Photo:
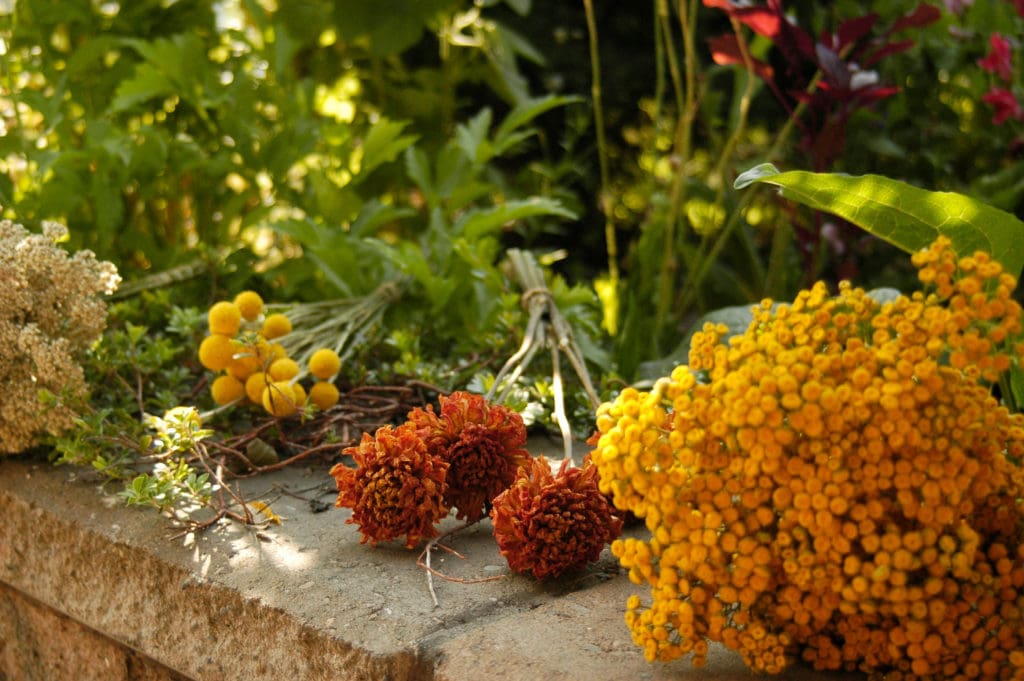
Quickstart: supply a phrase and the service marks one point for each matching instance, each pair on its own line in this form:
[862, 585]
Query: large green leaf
[904, 215]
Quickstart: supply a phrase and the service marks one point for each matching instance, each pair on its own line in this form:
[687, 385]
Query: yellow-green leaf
[902, 214]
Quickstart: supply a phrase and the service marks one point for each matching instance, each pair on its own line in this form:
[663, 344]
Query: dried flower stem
[342, 325]
[546, 326]
[423, 561]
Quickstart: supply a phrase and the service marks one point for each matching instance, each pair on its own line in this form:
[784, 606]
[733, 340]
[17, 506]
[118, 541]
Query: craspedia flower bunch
[549, 523]
[835, 484]
[482, 442]
[255, 367]
[52, 308]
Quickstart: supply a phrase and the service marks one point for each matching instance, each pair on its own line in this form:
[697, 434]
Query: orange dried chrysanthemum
[397, 488]
[547, 524]
[482, 443]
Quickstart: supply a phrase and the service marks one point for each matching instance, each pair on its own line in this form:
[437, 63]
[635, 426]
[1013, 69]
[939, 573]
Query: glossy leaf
[905, 216]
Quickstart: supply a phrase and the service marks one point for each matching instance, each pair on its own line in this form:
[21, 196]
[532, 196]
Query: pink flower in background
[1005, 104]
[998, 60]
[957, 6]
[1018, 5]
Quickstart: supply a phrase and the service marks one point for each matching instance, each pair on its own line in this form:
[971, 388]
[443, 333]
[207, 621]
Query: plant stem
[602, 147]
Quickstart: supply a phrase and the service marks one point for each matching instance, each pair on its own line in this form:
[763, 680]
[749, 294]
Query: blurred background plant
[316, 151]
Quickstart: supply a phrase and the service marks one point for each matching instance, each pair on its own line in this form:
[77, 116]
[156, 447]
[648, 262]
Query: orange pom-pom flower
[397, 487]
[549, 523]
[482, 442]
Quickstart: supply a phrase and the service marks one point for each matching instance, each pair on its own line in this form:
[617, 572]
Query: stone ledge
[302, 600]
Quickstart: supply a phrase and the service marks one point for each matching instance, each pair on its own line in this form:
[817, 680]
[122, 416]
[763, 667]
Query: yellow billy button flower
[224, 317]
[324, 363]
[227, 389]
[279, 399]
[245, 363]
[276, 325]
[249, 304]
[284, 369]
[216, 351]
[324, 395]
[254, 386]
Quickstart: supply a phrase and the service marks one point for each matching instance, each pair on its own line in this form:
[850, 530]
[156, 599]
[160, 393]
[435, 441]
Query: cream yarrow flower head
[52, 309]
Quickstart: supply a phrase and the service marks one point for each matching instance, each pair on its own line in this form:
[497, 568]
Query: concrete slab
[306, 600]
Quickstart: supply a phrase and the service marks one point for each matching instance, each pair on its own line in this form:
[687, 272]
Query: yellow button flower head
[254, 386]
[227, 389]
[279, 399]
[245, 363]
[276, 325]
[324, 395]
[299, 394]
[216, 351]
[250, 304]
[284, 369]
[225, 318]
[324, 363]
[837, 483]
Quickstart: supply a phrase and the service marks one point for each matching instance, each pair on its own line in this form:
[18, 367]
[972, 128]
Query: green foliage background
[317, 149]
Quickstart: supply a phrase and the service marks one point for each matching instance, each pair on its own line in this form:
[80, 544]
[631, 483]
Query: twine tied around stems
[546, 326]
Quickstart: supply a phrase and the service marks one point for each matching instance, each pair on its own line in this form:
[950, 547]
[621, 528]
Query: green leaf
[472, 137]
[525, 113]
[476, 224]
[383, 144]
[905, 216]
[417, 167]
[147, 83]
[1017, 387]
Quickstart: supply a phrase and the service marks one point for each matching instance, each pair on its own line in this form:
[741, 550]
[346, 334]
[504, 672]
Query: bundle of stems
[343, 324]
[546, 327]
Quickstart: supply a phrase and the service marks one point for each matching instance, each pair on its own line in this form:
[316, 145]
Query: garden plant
[778, 245]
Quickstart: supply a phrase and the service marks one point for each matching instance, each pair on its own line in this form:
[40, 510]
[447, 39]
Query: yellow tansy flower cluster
[837, 484]
[254, 367]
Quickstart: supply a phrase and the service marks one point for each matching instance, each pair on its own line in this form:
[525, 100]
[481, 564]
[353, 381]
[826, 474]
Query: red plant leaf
[725, 50]
[852, 30]
[760, 20]
[923, 15]
[832, 66]
[873, 94]
[887, 50]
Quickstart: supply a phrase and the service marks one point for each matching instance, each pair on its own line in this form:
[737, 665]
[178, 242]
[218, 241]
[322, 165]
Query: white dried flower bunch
[51, 310]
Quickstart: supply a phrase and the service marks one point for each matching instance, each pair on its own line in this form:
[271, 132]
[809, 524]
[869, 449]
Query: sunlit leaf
[905, 216]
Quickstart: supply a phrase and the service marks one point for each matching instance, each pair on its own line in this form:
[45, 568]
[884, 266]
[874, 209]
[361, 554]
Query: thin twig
[423, 561]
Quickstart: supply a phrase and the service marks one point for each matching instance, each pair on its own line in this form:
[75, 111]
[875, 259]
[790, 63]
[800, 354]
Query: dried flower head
[482, 442]
[547, 524]
[51, 310]
[396, 488]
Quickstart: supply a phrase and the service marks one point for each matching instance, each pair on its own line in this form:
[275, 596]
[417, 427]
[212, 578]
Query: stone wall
[90, 589]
